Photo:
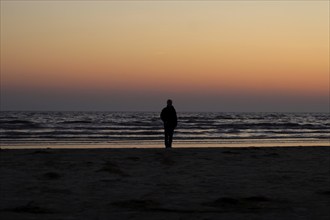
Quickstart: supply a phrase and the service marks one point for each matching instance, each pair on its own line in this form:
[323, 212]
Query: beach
[178, 183]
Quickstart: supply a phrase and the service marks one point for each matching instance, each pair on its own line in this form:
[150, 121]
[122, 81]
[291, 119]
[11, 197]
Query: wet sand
[186, 183]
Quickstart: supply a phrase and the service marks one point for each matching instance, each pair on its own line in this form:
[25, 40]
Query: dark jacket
[169, 117]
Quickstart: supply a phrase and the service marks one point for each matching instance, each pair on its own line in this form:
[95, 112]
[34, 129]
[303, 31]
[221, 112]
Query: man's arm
[162, 115]
[175, 118]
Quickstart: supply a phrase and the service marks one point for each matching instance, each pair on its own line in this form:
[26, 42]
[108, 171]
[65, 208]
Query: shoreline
[143, 145]
[207, 143]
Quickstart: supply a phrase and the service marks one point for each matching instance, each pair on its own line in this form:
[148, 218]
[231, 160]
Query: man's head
[169, 102]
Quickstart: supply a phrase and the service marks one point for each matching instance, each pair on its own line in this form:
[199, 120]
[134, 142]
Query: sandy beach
[186, 183]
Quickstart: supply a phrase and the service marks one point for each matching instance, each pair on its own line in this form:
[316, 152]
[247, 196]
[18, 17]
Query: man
[170, 120]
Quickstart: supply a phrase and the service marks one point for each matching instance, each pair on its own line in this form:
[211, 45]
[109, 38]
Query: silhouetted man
[170, 120]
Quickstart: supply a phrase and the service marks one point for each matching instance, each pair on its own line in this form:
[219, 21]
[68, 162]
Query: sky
[241, 56]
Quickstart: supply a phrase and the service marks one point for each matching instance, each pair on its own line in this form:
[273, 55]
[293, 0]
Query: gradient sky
[133, 55]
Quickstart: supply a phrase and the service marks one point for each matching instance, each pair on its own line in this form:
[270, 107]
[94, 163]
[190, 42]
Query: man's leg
[166, 131]
[170, 137]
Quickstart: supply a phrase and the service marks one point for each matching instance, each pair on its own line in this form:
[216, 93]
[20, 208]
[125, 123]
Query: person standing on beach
[170, 121]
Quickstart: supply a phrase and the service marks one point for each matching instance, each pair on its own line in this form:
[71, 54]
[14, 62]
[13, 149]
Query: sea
[32, 129]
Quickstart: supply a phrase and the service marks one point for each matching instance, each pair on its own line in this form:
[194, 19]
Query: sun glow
[181, 47]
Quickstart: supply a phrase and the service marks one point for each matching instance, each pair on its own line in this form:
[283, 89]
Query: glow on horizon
[178, 48]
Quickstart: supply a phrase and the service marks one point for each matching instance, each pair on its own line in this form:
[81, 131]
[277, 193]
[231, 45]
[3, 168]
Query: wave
[120, 126]
[75, 122]
[22, 124]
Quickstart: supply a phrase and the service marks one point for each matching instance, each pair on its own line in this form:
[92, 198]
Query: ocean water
[138, 129]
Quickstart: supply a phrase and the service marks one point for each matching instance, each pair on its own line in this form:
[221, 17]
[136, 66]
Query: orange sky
[215, 47]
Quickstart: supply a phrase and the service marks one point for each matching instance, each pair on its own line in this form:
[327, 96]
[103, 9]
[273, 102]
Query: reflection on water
[145, 129]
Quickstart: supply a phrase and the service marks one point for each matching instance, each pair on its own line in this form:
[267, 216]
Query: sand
[187, 183]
